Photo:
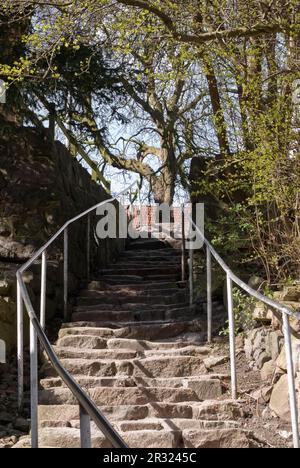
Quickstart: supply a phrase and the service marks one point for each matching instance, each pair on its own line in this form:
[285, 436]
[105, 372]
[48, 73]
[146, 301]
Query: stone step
[106, 396]
[123, 353]
[172, 382]
[72, 352]
[161, 390]
[94, 342]
[136, 307]
[211, 410]
[151, 424]
[93, 354]
[161, 272]
[99, 297]
[147, 244]
[148, 264]
[115, 278]
[177, 366]
[141, 330]
[131, 295]
[144, 253]
[69, 437]
[132, 316]
[136, 287]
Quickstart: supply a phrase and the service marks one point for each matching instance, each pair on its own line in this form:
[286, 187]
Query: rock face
[263, 345]
[279, 402]
[41, 186]
[265, 350]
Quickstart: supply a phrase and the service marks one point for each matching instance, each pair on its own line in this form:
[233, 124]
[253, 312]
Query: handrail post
[20, 345]
[183, 244]
[88, 247]
[209, 295]
[66, 273]
[291, 379]
[34, 386]
[191, 275]
[85, 429]
[43, 290]
[231, 338]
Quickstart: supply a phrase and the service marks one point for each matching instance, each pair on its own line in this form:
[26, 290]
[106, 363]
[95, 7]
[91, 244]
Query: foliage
[211, 79]
[243, 308]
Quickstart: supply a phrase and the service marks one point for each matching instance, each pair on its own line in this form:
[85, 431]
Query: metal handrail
[88, 409]
[285, 311]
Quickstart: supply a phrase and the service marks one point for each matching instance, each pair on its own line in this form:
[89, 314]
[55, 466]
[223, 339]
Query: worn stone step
[106, 396]
[141, 264]
[135, 287]
[225, 410]
[151, 424]
[146, 253]
[98, 297]
[135, 307]
[219, 438]
[131, 295]
[75, 353]
[211, 380]
[133, 316]
[141, 330]
[138, 262]
[116, 278]
[69, 437]
[147, 244]
[94, 342]
[143, 390]
[163, 272]
[175, 366]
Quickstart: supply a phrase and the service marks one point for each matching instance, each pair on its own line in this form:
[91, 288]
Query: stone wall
[41, 187]
[265, 351]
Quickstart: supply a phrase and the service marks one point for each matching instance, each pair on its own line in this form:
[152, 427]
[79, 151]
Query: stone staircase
[138, 348]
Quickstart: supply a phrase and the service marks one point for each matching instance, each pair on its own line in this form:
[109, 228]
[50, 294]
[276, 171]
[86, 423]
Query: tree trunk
[163, 186]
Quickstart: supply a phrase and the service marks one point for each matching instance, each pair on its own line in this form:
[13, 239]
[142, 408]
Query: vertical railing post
[183, 262]
[291, 379]
[88, 246]
[85, 429]
[20, 345]
[191, 275]
[43, 290]
[66, 273]
[231, 338]
[209, 295]
[34, 386]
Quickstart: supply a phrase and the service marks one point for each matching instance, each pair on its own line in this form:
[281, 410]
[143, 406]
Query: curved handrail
[285, 311]
[81, 396]
[261, 297]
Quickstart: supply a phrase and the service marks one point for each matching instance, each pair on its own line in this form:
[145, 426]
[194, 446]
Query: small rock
[262, 359]
[263, 395]
[262, 313]
[279, 402]
[268, 414]
[285, 434]
[211, 362]
[22, 424]
[267, 370]
[281, 361]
